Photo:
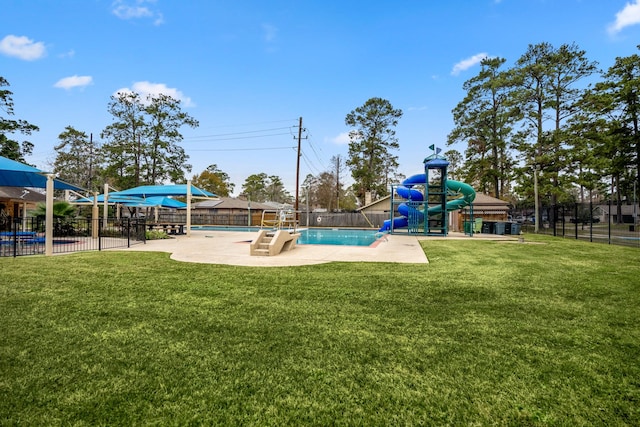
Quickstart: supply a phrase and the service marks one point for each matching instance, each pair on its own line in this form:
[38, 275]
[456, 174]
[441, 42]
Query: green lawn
[486, 334]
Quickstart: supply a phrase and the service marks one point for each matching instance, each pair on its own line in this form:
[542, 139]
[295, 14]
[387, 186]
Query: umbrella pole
[95, 216]
[188, 208]
[48, 230]
[105, 209]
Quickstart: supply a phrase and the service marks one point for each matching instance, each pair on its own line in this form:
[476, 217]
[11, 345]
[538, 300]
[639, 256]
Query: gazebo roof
[21, 194]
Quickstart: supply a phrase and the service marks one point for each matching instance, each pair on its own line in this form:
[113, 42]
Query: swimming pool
[319, 236]
[337, 236]
[224, 228]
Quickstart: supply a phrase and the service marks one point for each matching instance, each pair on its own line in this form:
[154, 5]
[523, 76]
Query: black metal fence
[582, 221]
[576, 221]
[26, 236]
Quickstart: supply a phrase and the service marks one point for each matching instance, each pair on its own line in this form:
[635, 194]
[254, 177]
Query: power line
[244, 149]
[316, 153]
[241, 133]
[310, 164]
[252, 124]
[238, 137]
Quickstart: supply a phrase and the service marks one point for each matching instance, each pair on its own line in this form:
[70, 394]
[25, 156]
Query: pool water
[224, 228]
[318, 236]
[337, 236]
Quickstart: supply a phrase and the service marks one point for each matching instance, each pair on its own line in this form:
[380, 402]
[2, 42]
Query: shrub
[156, 235]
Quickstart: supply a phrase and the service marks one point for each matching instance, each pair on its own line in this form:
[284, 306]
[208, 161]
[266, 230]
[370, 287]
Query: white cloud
[148, 89]
[129, 12]
[159, 19]
[629, 15]
[69, 54]
[270, 32]
[22, 47]
[465, 64]
[341, 139]
[74, 81]
[135, 9]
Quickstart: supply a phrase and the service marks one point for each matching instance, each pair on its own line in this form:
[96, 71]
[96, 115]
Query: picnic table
[167, 227]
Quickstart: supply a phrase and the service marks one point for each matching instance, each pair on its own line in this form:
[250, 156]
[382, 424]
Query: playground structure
[425, 199]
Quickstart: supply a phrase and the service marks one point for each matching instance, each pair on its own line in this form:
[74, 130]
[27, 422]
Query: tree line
[553, 115]
[142, 146]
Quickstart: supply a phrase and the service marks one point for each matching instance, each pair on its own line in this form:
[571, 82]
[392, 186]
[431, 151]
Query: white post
[188, 208]
[105, 209]
[307, 197]
[24, 215]
[95, 216]
[48, 227]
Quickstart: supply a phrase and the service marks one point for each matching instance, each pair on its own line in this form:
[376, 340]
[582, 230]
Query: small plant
[156, 235]
[63, 214]
[61, 209]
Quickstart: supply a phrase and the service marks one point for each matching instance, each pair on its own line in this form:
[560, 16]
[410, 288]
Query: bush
[156, 235]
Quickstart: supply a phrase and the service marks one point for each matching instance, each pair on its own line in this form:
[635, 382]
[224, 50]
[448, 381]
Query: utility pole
[300, 129]
[338, 170]
[90, 180]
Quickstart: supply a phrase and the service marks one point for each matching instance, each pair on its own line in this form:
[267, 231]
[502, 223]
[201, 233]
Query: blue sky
[247, 70]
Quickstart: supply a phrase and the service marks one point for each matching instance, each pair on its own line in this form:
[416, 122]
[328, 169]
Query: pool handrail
[282, 219]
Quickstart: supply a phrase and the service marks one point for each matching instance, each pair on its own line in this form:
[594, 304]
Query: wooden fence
[316, 219]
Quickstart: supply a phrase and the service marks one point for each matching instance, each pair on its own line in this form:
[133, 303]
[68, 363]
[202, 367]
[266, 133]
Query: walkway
[232, 248]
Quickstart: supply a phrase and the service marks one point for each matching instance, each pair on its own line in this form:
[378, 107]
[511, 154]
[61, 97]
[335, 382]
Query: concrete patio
[232, 248]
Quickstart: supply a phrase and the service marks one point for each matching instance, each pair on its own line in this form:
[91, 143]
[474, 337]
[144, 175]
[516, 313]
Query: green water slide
[465, 191]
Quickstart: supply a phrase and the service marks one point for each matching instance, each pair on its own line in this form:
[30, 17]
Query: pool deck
[232, 248]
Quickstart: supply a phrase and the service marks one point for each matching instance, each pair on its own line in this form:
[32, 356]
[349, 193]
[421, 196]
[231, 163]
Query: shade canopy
[162, 190]
[186, 190]
[16, 174]
[135, 201]
[165, 202]
[112, 199]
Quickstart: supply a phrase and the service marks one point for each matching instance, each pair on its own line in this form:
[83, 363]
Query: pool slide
[405, 191]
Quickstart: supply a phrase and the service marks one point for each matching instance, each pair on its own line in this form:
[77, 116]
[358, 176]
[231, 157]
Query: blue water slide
[406, 191]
